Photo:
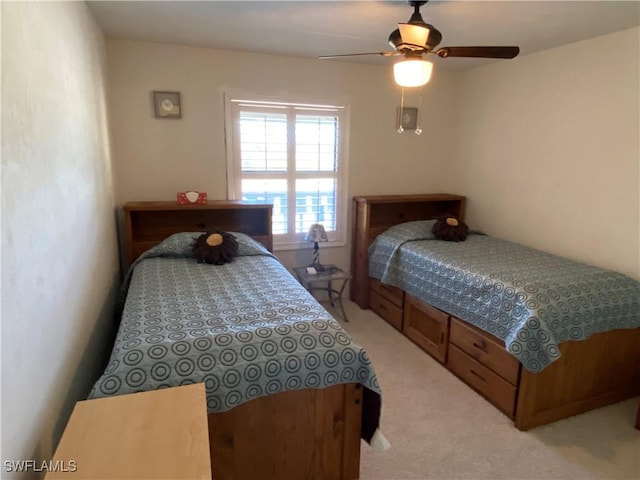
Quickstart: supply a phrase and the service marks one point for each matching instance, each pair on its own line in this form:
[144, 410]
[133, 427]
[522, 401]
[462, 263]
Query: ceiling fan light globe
[412, 73]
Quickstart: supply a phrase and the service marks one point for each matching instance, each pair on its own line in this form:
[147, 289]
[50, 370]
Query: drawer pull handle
[481, 346]
[477, 374]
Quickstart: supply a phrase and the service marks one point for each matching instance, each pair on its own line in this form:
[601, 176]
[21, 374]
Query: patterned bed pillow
[180, 245]
[415, 230]
[175, 245]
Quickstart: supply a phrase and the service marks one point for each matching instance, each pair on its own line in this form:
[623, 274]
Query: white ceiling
[310, 28]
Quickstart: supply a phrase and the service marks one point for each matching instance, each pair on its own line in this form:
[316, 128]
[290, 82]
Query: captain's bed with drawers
[539, 336]
[289, 393]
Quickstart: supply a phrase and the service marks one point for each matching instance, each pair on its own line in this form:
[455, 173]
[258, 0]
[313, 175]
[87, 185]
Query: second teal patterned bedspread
[530, 299]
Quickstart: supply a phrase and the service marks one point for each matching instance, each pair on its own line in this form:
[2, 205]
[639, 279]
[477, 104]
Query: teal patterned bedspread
[246, 329]
[530, 299]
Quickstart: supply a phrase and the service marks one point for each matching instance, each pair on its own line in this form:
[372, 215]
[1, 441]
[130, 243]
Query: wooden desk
[158, 434]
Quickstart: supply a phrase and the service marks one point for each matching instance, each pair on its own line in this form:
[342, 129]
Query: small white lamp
[316, 234]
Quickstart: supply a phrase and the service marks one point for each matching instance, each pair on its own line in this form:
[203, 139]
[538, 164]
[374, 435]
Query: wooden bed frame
[311, 433]
[598, 371]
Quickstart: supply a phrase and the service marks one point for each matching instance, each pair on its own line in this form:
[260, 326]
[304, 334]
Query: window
[290, 155]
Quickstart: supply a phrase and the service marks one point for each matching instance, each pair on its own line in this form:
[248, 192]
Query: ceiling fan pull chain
[418, 129]
[400, 112]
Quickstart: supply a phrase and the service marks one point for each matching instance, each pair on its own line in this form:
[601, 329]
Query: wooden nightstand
[158, 434]
[324, 281]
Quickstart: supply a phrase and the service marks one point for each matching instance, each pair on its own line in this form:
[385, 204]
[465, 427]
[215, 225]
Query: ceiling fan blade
[382, 54]
[481, 52]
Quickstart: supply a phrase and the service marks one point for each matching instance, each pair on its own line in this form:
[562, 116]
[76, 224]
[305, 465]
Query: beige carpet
[441, 429]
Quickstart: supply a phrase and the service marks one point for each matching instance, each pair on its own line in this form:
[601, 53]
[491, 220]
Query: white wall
[155, 158]
[549, 150]
[59, 257]
[544, 145]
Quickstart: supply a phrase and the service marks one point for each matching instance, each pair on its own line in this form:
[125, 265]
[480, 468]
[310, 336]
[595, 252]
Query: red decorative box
[189, 198]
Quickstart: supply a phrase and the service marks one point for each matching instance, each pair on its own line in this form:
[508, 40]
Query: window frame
[233, 103]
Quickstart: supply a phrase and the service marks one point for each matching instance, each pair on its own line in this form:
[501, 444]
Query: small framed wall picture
[167, 104]
[407, 118]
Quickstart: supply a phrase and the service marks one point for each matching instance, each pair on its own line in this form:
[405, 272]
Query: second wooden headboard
[148, 223]
[376, 213]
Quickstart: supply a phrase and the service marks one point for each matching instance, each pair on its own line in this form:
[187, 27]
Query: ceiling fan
[416, 38]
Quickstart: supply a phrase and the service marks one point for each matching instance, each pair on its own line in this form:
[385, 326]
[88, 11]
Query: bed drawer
[427, 326]
[387, 310]
[490, 385]
[484, 348]
[394, 294]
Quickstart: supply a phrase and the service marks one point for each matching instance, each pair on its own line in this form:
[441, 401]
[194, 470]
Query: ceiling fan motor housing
[434, 39]
[417, 4]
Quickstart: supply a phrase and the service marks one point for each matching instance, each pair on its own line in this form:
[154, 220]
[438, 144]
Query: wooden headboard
[374, 214]
[148, 223]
